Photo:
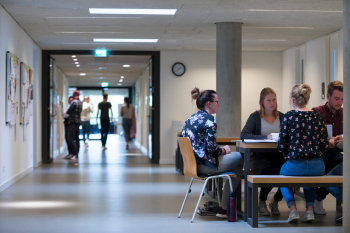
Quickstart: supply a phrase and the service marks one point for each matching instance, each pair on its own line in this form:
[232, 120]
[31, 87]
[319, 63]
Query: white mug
[274, 136]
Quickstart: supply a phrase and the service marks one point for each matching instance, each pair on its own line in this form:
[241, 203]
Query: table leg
[246, 173]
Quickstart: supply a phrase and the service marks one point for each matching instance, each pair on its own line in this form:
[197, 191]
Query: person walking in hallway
[66, 124]
[85, 119]
[74, 112]
[104, 106]
[127, 111]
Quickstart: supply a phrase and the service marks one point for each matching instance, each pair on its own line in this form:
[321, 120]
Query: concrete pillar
[228, 78]
[346, 117]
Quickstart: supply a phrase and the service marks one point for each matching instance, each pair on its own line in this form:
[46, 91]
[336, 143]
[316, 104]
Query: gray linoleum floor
[113, 192]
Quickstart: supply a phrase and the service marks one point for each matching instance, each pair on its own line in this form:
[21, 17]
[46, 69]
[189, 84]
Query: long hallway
[117, 191]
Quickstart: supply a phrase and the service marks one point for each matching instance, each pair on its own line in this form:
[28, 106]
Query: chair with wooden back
[190, 169]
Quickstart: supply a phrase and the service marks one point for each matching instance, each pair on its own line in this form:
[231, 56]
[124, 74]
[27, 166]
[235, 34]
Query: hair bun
[305, 90]
[195, 93]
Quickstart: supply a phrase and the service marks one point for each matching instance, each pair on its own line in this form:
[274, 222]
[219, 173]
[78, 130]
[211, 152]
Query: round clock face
[178, 69]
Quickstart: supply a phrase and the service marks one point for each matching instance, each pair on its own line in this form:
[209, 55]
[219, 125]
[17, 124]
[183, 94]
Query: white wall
[315, 70]
[142, 123]
[259, 70]
[17, 155]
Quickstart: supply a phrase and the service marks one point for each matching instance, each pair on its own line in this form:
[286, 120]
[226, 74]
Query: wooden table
[246, 149]
[265, 147]
[227, 141]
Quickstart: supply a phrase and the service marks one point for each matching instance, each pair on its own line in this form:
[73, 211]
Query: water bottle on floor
[231, 207]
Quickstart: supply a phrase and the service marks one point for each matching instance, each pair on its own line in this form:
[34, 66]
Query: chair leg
[200, 197]
[183, 204]
[229, 180]
[217, 190]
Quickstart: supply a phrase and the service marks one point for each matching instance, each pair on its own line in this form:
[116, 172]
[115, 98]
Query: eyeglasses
[215, 101]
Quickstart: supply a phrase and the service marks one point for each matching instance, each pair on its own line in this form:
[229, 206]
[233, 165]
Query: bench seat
[256, 181]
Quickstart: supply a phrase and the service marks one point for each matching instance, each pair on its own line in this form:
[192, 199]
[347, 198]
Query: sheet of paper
[258, 141]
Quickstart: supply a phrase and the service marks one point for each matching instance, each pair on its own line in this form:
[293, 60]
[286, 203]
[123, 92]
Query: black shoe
[339, 219]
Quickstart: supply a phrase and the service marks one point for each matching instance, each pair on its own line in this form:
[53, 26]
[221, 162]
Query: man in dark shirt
[332, 112]
[74, 112]
[104, 106]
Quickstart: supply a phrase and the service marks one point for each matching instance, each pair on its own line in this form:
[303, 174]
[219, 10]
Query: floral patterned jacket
[303, 135]
[201, 129]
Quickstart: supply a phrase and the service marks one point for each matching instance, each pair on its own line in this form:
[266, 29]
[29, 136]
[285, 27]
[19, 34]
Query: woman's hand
[227, 149]
[269, 136]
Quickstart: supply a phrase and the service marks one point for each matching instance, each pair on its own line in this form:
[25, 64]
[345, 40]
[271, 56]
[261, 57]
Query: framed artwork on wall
[26, 93]
[12, 88]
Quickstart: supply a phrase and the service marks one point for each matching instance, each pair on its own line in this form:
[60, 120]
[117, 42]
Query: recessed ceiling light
[119, 84]
[126, 65]
[102, 68]
[78, 65]
[75, 59]
[102, 77]
[76, 62]
[82, 74]
[296, 10]
[121, 76]
[121, 80]
[73, 56]
[122, 11]
[126, 40]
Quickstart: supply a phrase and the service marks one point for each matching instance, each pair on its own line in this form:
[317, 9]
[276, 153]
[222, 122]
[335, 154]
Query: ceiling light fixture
[78, 65]
[82, 74]
[122, 11]
[126, 40]
[283, 27]
[74, 56]
[126, 65]
[119, 84]
[76, 62]
[121, 80]
[75, 59]
[296, 10]
[102, 68]
[121, 76]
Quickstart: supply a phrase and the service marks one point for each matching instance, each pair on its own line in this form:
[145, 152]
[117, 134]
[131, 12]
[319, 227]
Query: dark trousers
[104, 131]
[267, 164]
[66, 133]
[86, 129]
[330, 161]
[73, 138]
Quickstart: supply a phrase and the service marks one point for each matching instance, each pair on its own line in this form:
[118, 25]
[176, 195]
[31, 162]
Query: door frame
[45, 104]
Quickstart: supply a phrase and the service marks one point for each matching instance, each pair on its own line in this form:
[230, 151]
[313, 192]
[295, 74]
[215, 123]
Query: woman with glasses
[211, 159]
[260, 125]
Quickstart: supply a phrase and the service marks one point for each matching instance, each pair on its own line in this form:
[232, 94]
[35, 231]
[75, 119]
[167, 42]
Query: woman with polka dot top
[303, 140]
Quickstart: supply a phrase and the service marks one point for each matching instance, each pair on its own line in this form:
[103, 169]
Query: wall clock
[178, 69]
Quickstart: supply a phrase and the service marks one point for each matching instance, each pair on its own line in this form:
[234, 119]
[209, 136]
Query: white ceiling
[67, 24]
[94, 76]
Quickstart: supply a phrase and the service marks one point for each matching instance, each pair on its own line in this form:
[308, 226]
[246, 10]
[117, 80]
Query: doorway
[154, 115]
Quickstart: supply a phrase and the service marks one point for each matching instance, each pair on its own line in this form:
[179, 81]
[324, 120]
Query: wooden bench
[256, 181]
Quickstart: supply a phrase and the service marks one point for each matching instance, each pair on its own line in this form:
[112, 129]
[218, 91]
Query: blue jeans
[86, 129]
[337, 192]
[301, 167]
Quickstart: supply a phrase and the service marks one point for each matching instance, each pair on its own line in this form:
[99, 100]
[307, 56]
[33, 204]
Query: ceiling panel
[67, 24]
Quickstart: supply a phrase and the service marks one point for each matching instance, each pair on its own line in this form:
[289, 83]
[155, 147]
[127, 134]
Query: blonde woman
[260, 125]
[303, 140]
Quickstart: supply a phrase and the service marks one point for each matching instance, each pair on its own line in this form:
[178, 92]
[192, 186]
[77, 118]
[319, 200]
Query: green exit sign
[100, 53]
[104, 84]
